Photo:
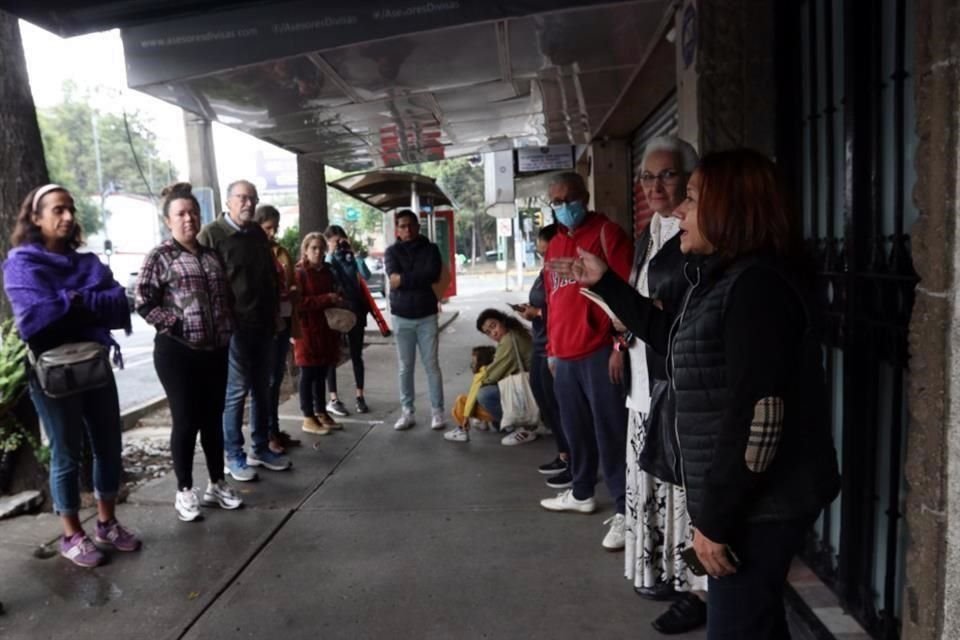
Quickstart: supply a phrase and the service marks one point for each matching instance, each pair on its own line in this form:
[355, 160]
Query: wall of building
[609, 181]
[932, 584]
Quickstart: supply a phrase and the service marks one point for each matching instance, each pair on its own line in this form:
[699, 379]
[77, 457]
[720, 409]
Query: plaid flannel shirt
[186, 296]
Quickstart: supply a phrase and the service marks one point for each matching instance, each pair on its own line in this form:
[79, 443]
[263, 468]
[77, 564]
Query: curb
[453, 316]
[130, 417]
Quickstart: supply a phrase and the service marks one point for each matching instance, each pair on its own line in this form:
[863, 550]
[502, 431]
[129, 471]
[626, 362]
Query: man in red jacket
[588, 371]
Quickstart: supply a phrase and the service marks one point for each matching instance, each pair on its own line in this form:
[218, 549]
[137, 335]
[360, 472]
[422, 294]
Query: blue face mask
[570, 214]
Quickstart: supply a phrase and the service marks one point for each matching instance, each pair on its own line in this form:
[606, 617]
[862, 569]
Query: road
[137, 382]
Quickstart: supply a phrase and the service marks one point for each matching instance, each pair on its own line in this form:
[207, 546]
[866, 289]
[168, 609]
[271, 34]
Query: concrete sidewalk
[375, 534]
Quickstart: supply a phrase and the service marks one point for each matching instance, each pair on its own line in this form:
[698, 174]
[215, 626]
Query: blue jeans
[593, 417]
[64, 420]
[425, 334]
[251, 362]
[281, 346]
[488, 397]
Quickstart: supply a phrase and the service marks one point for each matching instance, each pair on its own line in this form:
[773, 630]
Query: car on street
[377, 280]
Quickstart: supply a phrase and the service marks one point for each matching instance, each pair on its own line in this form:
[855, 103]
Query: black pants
[541, 383]
[195, 382]
[311, 389]
[748, 605]
[355, 341]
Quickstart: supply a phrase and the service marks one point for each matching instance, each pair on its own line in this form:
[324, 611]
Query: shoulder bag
[516, 398]
[72, 368]
[660, 454]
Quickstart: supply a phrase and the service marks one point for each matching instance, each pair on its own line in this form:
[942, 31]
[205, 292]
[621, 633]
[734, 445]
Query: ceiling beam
[334, 77]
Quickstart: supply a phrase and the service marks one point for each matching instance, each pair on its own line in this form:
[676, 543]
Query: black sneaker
[362, 405]
[688, 612]
[562, 480]
[553, 468]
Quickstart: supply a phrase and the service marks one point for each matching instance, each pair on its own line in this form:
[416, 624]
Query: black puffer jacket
[418, 263]
[752, 422]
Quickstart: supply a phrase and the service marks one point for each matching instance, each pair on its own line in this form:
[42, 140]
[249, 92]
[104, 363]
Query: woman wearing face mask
[182, 291]
[318, 346]
[60, 296]
[745, 364]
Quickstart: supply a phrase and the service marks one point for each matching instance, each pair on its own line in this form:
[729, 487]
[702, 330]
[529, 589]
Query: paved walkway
[376, 534]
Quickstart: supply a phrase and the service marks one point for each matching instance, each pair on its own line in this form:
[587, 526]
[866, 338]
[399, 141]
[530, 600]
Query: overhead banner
[206, 43]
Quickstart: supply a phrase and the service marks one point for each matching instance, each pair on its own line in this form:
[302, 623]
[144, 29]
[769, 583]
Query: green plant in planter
[13, 384]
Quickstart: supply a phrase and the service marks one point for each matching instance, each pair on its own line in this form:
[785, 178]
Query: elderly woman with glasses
[657, 525]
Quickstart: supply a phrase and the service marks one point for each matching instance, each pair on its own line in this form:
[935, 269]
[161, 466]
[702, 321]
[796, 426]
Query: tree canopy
[68, 140]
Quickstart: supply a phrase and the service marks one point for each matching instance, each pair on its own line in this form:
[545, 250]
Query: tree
[22, 165]
[475, 231]
[124, 141]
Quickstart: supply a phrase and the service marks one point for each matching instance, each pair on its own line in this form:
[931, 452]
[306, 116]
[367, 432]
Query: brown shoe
[327, 421]
[275, 445]
[312, 425]
[288, 440]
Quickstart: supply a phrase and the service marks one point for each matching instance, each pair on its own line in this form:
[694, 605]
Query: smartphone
[696, 567]
[517, 307]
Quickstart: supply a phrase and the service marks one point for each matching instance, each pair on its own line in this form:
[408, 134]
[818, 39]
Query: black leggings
[355, 340]
[195, 382]
[311, 389]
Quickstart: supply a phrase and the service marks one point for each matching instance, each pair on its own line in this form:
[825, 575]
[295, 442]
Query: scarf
[41, 284]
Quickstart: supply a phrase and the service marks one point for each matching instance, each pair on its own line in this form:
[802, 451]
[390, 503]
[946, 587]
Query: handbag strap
[516, 352]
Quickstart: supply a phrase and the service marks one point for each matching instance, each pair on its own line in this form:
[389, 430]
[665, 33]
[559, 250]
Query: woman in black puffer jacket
[745, 367]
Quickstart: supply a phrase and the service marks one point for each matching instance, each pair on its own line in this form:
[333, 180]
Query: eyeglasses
[666, 177]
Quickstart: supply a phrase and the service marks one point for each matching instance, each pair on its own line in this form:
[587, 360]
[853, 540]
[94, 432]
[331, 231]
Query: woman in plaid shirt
[182, 291]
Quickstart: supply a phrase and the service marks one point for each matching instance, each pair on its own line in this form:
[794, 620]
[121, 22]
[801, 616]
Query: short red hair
[743, 208]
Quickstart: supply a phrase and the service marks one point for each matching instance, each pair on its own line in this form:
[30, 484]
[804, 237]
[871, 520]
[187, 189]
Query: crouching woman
[514, 350]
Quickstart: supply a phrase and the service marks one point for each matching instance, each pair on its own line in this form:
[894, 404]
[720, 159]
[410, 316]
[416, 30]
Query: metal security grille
[853, 158]
[663, 121]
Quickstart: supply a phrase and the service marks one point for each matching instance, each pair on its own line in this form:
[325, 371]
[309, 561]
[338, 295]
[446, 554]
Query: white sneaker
[614, 540]
[479, 425]
[457, 435]
[437, 421]
[566, 502]
[404, 422]
[187, 505]
[520, 436]
[221, 494]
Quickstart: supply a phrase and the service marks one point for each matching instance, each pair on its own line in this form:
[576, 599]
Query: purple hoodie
[41, 285]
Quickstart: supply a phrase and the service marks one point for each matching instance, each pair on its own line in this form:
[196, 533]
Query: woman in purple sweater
[60, 296]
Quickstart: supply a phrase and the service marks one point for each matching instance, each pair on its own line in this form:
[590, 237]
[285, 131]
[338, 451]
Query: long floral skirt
[657, 525]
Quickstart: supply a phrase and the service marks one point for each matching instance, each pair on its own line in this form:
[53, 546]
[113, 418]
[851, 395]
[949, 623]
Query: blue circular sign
[688, 41]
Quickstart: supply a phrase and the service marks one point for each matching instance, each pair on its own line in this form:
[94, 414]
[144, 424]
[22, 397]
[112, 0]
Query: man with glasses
[588, 371]
[245, 251]
[413, 265]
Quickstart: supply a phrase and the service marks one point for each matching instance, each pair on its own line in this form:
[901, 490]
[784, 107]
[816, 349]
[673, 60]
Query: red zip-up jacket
[577, 327]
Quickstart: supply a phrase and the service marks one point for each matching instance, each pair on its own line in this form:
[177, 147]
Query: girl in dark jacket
[758, 461]
[318, 346]
[347, 269]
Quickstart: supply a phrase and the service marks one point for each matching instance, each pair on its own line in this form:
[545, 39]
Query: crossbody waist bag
[72, 368]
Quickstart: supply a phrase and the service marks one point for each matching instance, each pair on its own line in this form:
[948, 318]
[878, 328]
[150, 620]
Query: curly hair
[511, 323]
[26, 232]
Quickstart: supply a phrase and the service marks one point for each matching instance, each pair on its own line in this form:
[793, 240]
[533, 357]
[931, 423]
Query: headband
[42, 191]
